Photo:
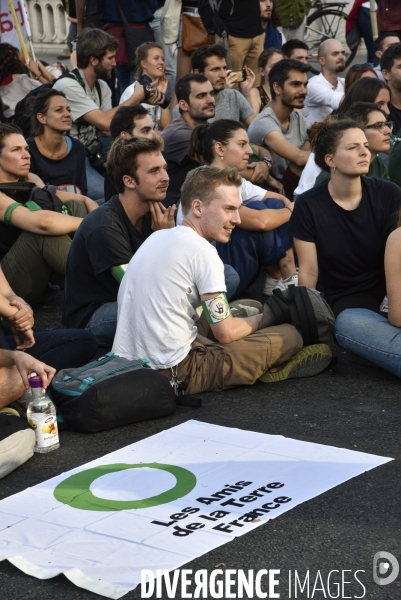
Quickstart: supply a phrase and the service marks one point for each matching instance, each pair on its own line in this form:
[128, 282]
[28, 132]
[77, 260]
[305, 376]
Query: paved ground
[348, 406]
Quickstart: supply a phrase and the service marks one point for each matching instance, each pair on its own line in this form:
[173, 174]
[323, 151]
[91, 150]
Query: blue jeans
[169, 58]
[371, 336]
[95, 183]
[365, 26]
[103, 323]
[232, 280]
[61, 348]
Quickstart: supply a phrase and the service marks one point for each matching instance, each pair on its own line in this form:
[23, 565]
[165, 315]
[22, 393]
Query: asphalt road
[348, 406]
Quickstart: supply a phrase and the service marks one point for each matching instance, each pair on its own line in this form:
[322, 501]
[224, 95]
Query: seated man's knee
[76, 208]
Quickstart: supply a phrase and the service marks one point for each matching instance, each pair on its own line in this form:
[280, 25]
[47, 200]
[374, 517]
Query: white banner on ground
[163, 501]
[8, 31]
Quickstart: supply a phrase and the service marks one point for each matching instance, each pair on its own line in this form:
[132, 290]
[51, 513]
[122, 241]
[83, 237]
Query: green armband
[216, 309]
[9, 210]
[255, 151]
[119, 272]
[32, 205]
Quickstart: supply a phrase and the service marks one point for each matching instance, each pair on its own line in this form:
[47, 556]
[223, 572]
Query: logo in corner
[385, 568]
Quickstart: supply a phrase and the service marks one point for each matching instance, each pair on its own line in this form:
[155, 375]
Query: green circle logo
[75, 491]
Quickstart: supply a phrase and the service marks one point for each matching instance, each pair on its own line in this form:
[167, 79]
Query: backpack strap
[306, 315]
[280, 307]
[75, 74]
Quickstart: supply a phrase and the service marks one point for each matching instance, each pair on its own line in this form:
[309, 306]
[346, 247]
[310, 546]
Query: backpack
[45, 198]
[304, 308]
[109, 392]
[21, 116]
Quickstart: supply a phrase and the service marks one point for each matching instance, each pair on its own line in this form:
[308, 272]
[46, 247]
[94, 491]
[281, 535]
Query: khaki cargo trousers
[216, 367]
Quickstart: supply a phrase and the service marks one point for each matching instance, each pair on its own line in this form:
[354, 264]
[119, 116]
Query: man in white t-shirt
[326, 90]
[176, 272]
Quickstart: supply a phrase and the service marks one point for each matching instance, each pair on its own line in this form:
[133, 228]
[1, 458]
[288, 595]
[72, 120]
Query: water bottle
[41, 415]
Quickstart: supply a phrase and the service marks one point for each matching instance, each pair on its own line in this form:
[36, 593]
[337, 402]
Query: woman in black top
[260, 96]
[55, 157]
[340, 227]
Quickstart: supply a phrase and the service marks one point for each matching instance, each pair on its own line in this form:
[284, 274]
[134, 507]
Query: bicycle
[327, 21]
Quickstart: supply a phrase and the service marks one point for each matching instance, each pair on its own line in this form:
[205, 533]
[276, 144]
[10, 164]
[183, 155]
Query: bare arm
[42, 222]
[232, 328]
[26, 364]
[308, 266]
[165, 118]
[102, 119]
[254, 100]
[392, 265]
[277, 142]
[264, 220]
[90, 204]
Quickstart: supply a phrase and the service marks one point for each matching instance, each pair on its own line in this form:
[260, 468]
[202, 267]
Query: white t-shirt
[248, 192]
[154, 111]
[308, 176]
[322, 98]
[160, 293]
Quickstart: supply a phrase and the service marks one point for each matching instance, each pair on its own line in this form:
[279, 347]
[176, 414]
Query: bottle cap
[35, 382]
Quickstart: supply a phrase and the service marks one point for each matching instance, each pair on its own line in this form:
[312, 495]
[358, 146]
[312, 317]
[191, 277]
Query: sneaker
[270, 284]
[384, 305]
[309, 361]
[284, 283]
[246, 308]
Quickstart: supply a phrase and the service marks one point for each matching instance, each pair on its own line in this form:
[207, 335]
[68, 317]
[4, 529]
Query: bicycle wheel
[323, 24]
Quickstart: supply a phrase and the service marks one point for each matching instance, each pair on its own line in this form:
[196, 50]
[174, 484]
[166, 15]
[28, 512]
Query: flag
[8, 31]
[164, 501]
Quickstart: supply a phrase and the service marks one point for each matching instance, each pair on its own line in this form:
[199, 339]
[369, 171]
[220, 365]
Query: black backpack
[25, 191]
[21, 115]
[304, 308]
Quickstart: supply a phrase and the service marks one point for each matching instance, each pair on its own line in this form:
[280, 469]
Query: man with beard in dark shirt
[105, 244]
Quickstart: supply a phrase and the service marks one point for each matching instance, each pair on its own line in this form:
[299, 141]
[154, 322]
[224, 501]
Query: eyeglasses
[358, 67]
[381, 125]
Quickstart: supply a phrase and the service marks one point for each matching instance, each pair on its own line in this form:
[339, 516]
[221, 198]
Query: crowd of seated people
[145, 214]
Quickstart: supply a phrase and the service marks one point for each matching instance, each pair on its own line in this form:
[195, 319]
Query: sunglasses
[381, 125]
[358, 67]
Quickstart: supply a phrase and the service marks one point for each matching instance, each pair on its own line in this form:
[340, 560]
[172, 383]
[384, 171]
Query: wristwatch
[268, 161]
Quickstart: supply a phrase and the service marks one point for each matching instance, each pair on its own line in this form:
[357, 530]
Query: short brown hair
[201, 184]
[93, 42]
[122, 158]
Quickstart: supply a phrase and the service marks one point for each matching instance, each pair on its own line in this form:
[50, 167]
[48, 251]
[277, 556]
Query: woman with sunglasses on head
[340, 227]
[366, 89]
[356, 72]
[260, 239]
